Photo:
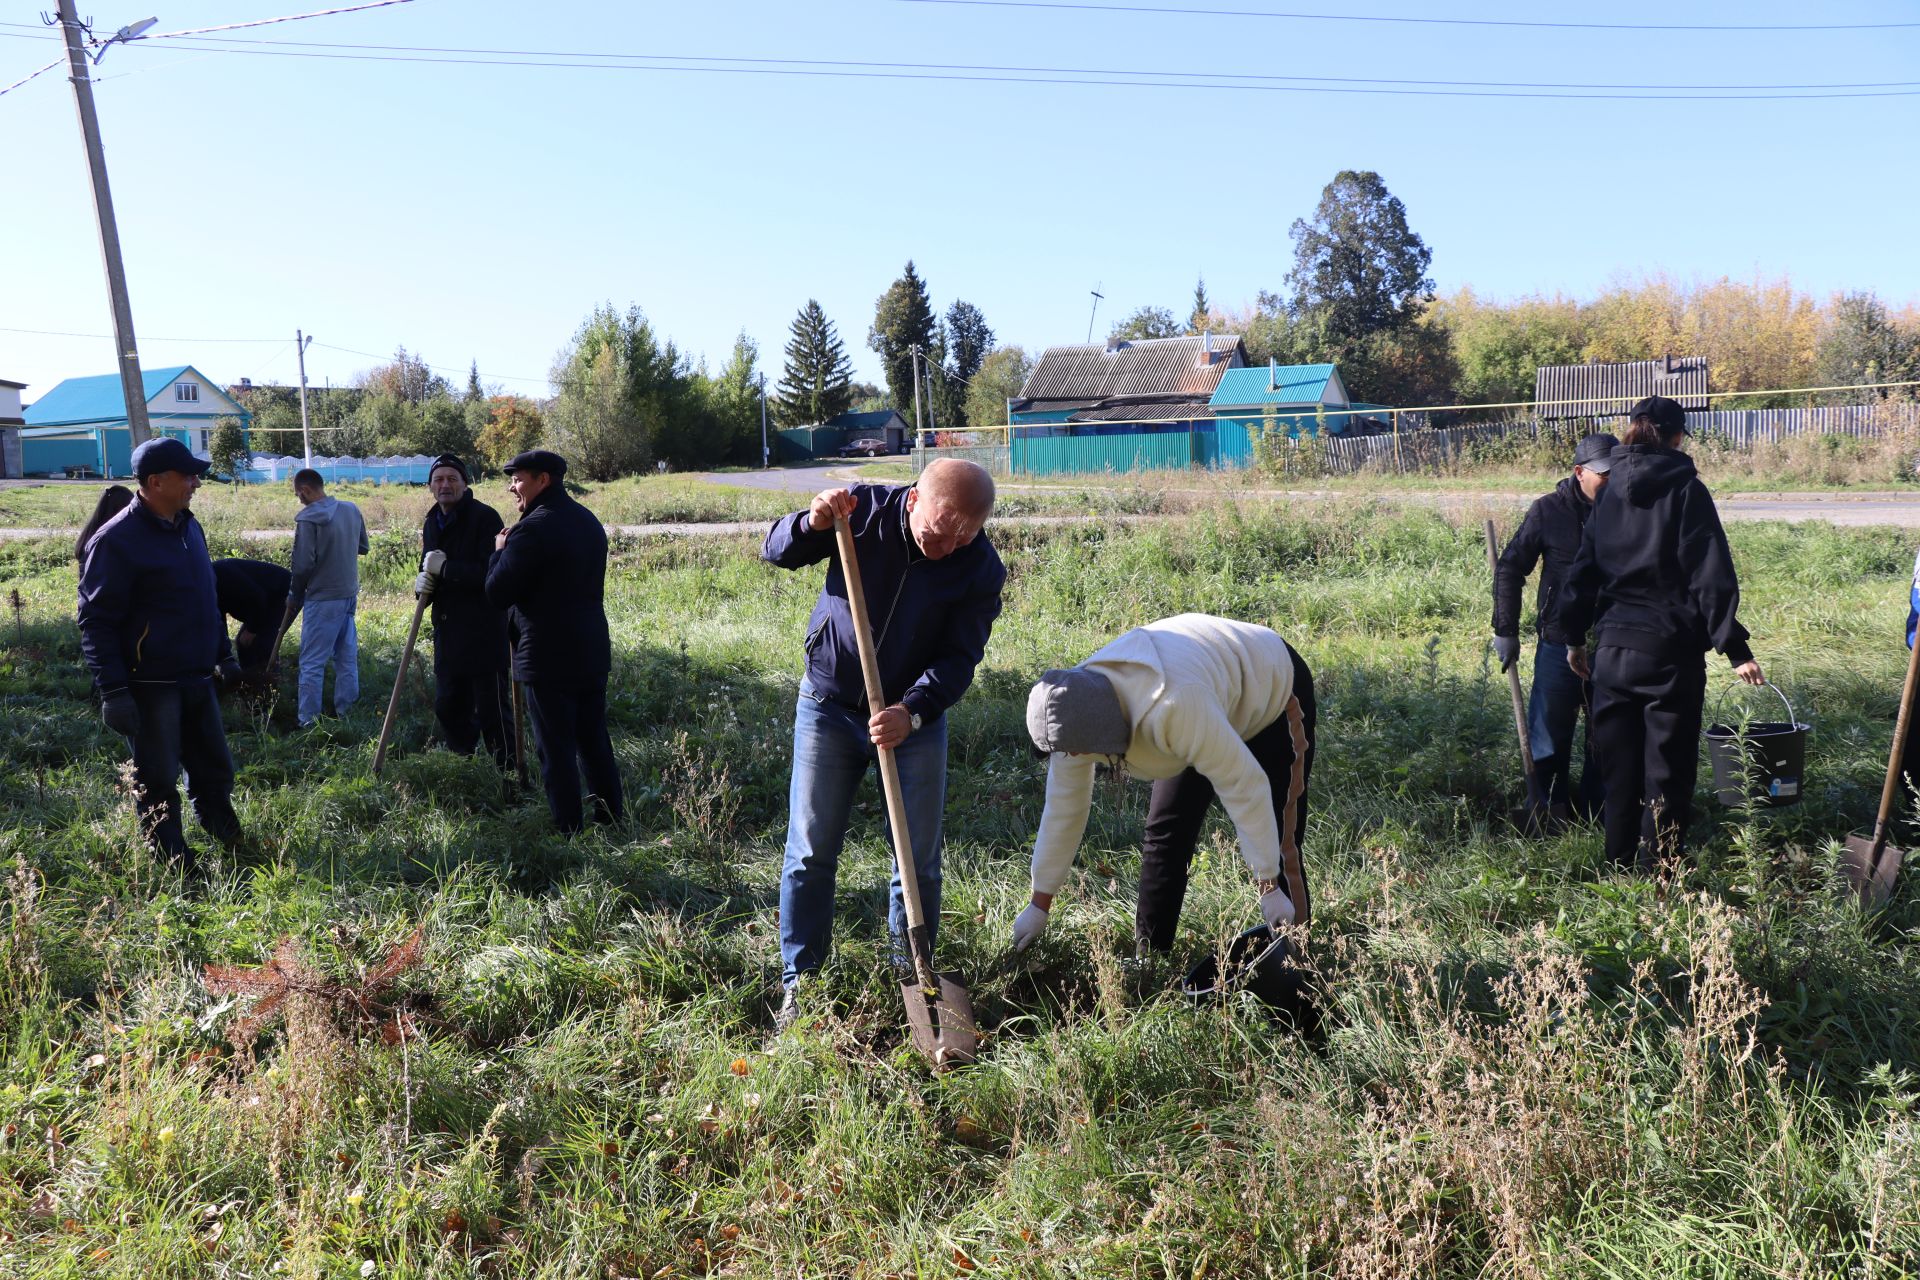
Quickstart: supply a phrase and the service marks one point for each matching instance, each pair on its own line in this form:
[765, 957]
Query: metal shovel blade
[1870, 872]
[940, 1020]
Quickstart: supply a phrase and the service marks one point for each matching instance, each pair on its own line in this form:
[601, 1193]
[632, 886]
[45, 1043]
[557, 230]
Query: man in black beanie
[470, 693]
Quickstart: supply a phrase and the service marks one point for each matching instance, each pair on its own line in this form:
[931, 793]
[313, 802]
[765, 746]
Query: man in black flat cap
[156, 643]
[1550, 538]
[470, 696]
[549, 570]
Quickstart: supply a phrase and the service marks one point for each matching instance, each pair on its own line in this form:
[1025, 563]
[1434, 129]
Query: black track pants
[1646, 732]
[570, 732]
[1179, 806]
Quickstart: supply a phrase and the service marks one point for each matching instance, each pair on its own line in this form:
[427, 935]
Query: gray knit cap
[1074, 709]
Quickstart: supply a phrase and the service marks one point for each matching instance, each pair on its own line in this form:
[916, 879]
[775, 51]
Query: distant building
[80, 426]
[827, 439]
[1298, 399]
[1562, 391]
[11, 421]
[1156, 383]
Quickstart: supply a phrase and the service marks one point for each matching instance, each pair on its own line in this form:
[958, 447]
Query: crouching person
[1203, 707]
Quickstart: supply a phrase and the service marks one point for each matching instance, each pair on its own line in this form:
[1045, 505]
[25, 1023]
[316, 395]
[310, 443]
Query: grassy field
[1531, 1066]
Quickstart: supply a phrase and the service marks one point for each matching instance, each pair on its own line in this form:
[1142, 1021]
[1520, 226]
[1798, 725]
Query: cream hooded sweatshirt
[1195, 688]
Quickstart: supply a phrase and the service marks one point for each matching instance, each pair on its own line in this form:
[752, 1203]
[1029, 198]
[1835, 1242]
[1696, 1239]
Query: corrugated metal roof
[1611, 389]
[1189, 367]
[1288, 384]
[1151, 411]
[96, 399]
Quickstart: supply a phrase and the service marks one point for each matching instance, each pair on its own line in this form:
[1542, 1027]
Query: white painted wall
[10, 402]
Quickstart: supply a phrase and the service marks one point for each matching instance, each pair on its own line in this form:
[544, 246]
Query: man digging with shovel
[932, 584]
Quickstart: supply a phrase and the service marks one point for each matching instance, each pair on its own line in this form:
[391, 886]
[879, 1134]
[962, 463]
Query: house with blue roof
[80, 426]
[1298, 399]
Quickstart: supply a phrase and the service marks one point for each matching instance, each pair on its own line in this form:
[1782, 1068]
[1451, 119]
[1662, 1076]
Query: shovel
[1536, 803]
[393, 703]
[1871, 863]
[939, 1012]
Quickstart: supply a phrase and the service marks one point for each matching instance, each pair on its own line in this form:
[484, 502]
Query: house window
[186, 391]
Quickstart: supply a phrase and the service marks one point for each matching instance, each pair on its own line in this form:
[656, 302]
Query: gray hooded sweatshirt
[329, 536]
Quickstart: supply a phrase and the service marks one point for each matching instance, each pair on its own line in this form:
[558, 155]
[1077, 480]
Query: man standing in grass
[154, 638]
[1550, 538]
[932, 582]
[469, 634]
[329, 537]
[550, 571]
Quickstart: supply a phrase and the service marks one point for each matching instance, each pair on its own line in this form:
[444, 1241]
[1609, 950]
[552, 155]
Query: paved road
[807, 480]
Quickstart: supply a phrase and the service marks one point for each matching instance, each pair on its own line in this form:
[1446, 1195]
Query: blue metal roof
[1261, 385]
[98, 399]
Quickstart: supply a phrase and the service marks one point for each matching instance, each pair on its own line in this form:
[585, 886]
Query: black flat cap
[537, 460]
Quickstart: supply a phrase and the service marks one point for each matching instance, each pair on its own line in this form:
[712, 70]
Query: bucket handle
[1720, 701]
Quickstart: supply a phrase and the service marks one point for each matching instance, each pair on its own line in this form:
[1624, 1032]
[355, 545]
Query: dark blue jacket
[149, 609]
[931, 618]
[469, 634]
[550, 577]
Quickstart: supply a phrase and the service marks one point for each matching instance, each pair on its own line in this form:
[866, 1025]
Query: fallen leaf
[962, 1261]
[740, 1066]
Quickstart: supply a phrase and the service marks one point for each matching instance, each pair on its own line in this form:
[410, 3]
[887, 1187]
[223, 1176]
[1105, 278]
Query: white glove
[1028, 927]
[423, 585]
[433, 563]
[1277, 907]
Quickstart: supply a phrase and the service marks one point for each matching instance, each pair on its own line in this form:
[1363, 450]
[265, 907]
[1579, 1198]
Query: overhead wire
[1422, 20]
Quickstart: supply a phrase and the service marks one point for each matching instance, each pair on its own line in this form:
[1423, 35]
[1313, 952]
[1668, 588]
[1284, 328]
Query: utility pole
[1097, 295]
[300, 342]
[919, 422]
[766, 458]
[932, 422]
[132, 386]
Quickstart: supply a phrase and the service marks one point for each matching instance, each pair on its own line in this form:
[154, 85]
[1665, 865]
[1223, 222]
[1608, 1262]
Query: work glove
[1507, 649]
[228, 674]
[423, 585]
[121, 713]
[1028, 926]
[434, 563]
[1276, 907]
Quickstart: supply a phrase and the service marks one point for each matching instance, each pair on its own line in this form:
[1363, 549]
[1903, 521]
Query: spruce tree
[1201, 318]
[816, 383]
[902, 320]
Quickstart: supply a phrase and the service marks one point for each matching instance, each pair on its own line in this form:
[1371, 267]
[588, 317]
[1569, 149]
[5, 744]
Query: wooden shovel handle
[393, 703]
[1895, 758]
[1513, 688]
[889, 768]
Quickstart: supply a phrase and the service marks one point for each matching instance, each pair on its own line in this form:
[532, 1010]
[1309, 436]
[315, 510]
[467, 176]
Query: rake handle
[889, 768]
[1895, 758]
[1513, 688]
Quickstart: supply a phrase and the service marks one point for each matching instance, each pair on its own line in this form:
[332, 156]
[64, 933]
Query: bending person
[254, 593]
[1655, 580]
[1202, 706]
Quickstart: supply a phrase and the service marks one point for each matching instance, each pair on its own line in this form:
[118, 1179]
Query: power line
[32, 76]
[1101, 79]
[1441, 22]
[267, 22]
[61, 333]
[439, 368]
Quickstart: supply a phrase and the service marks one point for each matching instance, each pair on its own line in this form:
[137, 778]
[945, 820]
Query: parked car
[865, 447]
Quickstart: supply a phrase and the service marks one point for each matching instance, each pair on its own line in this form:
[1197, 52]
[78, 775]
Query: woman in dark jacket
[113, 500]
[1654, 579]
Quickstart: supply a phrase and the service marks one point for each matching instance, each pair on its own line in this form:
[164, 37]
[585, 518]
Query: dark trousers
[570, 733]
[180, 727]
[1553, 713]
[473, 707]
[1646, 731]
[1179, 804]
[1910, 770]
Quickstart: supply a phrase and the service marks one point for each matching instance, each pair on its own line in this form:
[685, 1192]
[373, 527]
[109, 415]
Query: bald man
[932, 582]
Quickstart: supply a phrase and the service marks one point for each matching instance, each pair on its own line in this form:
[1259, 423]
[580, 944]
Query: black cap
[450, 460]
[537, 460]
[1665, 414]
[164, 453]
[1595, 452]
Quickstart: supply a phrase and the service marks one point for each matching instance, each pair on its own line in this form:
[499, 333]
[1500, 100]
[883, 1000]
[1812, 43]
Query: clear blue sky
[481, 211]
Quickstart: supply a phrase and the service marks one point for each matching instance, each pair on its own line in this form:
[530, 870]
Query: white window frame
[186, 392]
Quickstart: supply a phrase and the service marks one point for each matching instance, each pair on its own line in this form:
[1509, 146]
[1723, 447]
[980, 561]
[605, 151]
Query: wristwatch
[913, 719]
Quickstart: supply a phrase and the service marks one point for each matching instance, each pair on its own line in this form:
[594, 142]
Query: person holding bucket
[1654, 580]
[1203, 707]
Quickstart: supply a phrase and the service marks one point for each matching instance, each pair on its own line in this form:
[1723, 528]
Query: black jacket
[149, 611]
[469, 634]
[253, 593]
[1549, 537]
[931, 618]
[550, 576]
[1654, 572]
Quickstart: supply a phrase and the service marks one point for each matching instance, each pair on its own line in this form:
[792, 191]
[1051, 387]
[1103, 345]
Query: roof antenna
[1097, 295]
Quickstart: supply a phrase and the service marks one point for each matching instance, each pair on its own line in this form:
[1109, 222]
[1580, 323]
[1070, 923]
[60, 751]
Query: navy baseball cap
[1595, 452]
[537, 460]
[164, 453]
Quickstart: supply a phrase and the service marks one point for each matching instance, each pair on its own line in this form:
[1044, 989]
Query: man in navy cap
[549, 571]
[156, 643]
[1550, 538]
[469, 634]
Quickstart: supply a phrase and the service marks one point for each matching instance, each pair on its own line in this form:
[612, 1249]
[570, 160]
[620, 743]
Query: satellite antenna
[1097, 295]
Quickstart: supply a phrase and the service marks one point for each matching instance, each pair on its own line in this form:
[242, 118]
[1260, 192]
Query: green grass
[1532, 1067]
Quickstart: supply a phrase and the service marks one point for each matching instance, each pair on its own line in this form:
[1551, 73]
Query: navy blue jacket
[931, 618]
[254, 592]
[469, 634]
[149, 609]
[550, 577]
[1549, 537]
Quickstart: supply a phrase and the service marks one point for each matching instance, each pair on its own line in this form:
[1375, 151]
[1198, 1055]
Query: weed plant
[500, 1053]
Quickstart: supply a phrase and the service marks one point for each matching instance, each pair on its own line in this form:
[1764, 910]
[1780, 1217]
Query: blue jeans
[831, 754]
[327, 634]
[1552, 713]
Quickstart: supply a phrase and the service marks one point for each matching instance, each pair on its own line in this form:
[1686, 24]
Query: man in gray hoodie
[329, 537]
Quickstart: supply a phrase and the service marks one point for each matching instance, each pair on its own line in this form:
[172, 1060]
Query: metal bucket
[1761, 763]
